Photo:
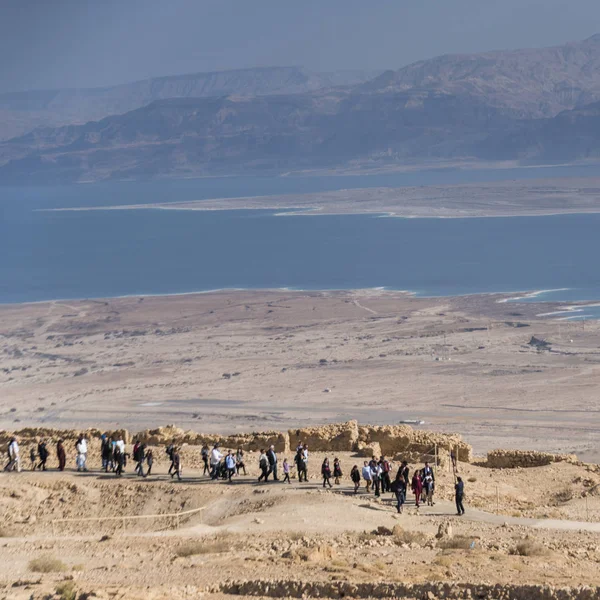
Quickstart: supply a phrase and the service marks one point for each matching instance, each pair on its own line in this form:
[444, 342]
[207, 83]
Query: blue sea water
[48, 255]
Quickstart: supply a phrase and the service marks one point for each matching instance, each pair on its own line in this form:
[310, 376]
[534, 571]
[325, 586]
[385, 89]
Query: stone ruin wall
[512, 459]
[367, 440]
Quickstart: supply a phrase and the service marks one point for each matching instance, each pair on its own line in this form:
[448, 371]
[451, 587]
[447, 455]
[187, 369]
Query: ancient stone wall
[389, 440]
[338, 436]
[510, 459]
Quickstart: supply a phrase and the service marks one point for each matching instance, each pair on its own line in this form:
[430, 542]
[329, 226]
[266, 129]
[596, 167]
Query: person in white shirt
[81, 447]
[14, 461]
[367, 476]
[215, 459]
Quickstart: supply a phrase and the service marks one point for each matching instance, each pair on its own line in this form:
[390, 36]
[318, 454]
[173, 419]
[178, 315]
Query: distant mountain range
[522, 105]
[21, 112]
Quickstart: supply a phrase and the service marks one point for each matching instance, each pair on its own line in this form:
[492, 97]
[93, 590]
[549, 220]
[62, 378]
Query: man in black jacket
[459, 489]
[272, 458]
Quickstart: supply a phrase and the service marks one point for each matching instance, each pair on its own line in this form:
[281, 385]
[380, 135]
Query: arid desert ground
[493, 371]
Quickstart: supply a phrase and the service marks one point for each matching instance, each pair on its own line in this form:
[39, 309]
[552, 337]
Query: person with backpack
[355, 477]
[230, 465]
[43, 454]
[367, 476]
[61, 455]
[272, 458]
[459, 492]
[204, 453]
[337, 471]
[326, 472]
[263, 464]
[385, 475]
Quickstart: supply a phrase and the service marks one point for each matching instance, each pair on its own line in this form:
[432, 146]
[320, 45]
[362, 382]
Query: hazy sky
[70, 43]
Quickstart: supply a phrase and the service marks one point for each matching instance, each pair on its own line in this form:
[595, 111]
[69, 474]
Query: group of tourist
[375, 473]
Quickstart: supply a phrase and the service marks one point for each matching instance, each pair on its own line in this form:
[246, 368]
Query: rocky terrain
[528, 533]
[530, 106]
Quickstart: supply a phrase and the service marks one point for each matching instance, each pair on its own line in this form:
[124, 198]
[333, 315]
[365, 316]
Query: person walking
[337, 471]
[169, 451]
[14, 460]
[121, 454]
[43, 454]
[459, 492]
[139, 455]
[215, 461]
[240, 463]
[149, 462]
[177, 466]
[230, 465]
[119, 458]
[355, 477]
[81, 448]
[398, 487]
[301, 464]
[272, 458]
[61, 455]
[32, 458]
[105, 451]
[263, 464]
[286, 471]
[417, 487]
[367, 476]
[326, 472]
[376, 472]
[386, 484]
[429, 484]
[204, 453]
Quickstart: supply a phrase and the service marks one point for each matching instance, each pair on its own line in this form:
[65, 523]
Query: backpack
[385, 466]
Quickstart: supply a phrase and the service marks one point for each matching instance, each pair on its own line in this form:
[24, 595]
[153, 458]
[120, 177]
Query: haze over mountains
[533, 105]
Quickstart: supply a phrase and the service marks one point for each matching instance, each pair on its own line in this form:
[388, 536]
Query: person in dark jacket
[62, 455]
[43, 454]
[272, 458]
[355, 476]
[326, 472]
[398, 486]
[386, 483]
[459, 492]
[106, 452]
[337, 471]
[139, 454]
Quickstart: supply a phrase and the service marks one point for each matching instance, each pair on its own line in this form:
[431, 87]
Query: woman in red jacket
[417, 487]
